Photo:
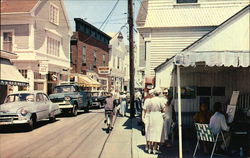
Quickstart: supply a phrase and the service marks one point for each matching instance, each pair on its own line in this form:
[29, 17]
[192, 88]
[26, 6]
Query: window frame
[13, 38]
[95, 58]
[53, 46]
[84, 60]
[51, 13]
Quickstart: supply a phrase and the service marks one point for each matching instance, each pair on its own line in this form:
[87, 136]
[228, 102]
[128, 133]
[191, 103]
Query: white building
[117, 61]
[213, 67]
[39, 32]
[167, 27]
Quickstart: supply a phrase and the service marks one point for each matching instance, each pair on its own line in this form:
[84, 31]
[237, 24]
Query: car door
[41, 106]
[47, 106]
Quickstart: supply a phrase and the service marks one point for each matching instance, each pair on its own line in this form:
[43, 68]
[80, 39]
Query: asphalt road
[68, 137]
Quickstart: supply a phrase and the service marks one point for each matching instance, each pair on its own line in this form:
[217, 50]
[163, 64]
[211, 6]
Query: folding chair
[204, 133]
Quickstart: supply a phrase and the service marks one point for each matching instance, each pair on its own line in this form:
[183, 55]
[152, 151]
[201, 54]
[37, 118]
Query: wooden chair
[204, 133]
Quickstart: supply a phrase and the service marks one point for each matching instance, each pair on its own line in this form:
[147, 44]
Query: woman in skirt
[155, 120]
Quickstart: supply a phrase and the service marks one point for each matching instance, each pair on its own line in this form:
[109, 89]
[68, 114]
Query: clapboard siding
[21, 35]
[166, 43]
[42, 23]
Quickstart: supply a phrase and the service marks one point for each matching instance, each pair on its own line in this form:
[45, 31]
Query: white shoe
[149, 151]
[146, 148]
[155, 152]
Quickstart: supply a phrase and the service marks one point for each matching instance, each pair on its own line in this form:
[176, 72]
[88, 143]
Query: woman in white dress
[123, 104]
[145, 116]
[155, 124]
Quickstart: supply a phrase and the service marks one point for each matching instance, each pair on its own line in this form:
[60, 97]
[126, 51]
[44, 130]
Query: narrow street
[68, 137]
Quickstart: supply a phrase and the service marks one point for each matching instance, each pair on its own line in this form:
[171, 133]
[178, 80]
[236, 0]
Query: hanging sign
[43, 68]
[103, 70]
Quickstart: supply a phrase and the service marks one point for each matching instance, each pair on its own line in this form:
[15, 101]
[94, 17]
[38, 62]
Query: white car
[27, 107]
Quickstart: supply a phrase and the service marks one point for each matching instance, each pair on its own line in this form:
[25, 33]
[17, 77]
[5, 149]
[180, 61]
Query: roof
[209, 34]
[142, 14]
[189, 17]
[81, 21]
[16, 6]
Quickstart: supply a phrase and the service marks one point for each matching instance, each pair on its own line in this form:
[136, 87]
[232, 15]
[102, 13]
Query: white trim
[32, 11]
[66, 17]
[14, 13]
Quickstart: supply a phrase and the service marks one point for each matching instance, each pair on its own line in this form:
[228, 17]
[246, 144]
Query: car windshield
[19, 97]
[64, 89]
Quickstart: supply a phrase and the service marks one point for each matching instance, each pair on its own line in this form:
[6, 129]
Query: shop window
[218, 91]
[7, 41]
[54, 14]
[204, 91]
[187, 1]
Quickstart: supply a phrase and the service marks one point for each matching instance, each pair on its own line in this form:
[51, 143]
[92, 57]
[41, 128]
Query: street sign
[104, 70]
[43, 68]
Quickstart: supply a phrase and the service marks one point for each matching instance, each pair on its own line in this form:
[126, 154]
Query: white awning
[11, 76]
[225, 58]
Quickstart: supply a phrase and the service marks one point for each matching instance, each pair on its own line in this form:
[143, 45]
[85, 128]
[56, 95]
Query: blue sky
[96, 11]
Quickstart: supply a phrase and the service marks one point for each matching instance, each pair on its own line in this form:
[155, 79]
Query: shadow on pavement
[23, 128]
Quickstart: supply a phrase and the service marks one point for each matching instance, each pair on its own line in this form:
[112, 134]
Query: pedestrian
[167, 118]
[109, 106]
[155, 125]
[123, 104]
[138, 102]
[145, 117]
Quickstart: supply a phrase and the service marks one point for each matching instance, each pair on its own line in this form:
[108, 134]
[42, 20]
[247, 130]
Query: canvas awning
[225, 58]
[11, 76]
[86, 81]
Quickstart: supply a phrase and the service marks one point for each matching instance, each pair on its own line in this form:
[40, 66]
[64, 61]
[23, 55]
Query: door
[41, 108]
[47, 106]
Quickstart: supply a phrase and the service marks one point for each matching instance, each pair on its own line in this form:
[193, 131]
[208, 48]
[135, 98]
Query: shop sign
[43, 68]
[103, 70]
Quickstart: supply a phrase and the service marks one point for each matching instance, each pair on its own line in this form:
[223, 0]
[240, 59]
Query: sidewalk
[126, 141]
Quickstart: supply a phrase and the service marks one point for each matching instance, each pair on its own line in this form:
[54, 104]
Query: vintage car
[27, 107]
[98, 99]
[70, 98]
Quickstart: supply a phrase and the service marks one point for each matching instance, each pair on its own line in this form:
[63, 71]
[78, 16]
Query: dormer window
[186, 1]
[54, 14]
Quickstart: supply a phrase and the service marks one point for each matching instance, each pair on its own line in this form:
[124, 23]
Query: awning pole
[179, 112]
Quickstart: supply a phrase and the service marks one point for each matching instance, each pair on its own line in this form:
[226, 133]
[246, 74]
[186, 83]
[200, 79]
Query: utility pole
[131, 58]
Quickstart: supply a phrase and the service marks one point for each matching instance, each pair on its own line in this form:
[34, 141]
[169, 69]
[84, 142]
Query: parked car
[27, 107]
[98, 99]
[70, 98]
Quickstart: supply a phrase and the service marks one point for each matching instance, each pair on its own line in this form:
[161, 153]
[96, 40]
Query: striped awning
[11, 76]
[86, 81]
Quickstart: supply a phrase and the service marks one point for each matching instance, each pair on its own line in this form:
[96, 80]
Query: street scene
[125, 79]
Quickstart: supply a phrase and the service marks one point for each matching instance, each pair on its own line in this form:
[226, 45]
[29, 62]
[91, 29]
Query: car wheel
[52, 118]
[74, 111]
[86, 109]
[31, 124]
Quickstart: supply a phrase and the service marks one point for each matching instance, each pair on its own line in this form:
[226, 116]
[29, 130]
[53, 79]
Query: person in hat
[155, 120]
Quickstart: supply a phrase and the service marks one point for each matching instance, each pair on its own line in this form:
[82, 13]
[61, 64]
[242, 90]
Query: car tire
[31, 124]
[86, 109]
[74, 111]
[52, 118]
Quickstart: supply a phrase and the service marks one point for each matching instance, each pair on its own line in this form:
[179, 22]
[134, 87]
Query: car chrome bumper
[12, 122]
[64, 105]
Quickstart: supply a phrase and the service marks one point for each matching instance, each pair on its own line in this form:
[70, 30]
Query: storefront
[86, 82]
[11, 80]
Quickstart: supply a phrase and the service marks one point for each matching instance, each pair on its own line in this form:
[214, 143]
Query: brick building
[90, 52]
